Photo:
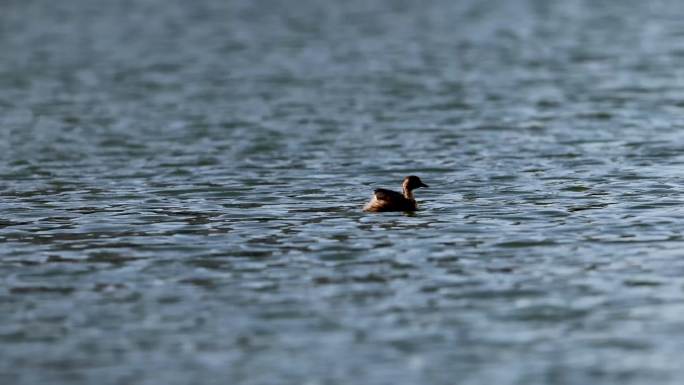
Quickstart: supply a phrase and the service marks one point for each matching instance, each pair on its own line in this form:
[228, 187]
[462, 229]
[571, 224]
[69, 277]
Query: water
[182, 184]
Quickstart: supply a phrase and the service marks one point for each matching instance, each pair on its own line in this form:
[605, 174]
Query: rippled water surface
[181, 184]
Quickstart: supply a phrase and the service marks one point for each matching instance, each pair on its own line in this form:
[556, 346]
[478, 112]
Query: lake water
[182, 183]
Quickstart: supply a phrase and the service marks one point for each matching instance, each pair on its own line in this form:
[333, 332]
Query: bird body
[388, 200]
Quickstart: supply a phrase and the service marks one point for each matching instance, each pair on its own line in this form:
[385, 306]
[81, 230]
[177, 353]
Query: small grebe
[388, 200]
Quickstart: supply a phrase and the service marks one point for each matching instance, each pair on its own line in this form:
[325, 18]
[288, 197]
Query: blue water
[182, 183]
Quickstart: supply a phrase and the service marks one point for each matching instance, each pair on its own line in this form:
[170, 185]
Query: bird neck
[408, 194]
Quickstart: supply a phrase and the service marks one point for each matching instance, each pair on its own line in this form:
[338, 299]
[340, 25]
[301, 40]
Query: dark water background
[181, 183]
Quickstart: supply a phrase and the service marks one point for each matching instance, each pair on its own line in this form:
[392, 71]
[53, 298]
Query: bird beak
[423, 185]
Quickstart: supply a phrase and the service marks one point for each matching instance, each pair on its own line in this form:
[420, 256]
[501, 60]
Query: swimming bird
[388, 200]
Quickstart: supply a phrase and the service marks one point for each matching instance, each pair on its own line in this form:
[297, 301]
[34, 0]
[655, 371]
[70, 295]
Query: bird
[388, 200]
